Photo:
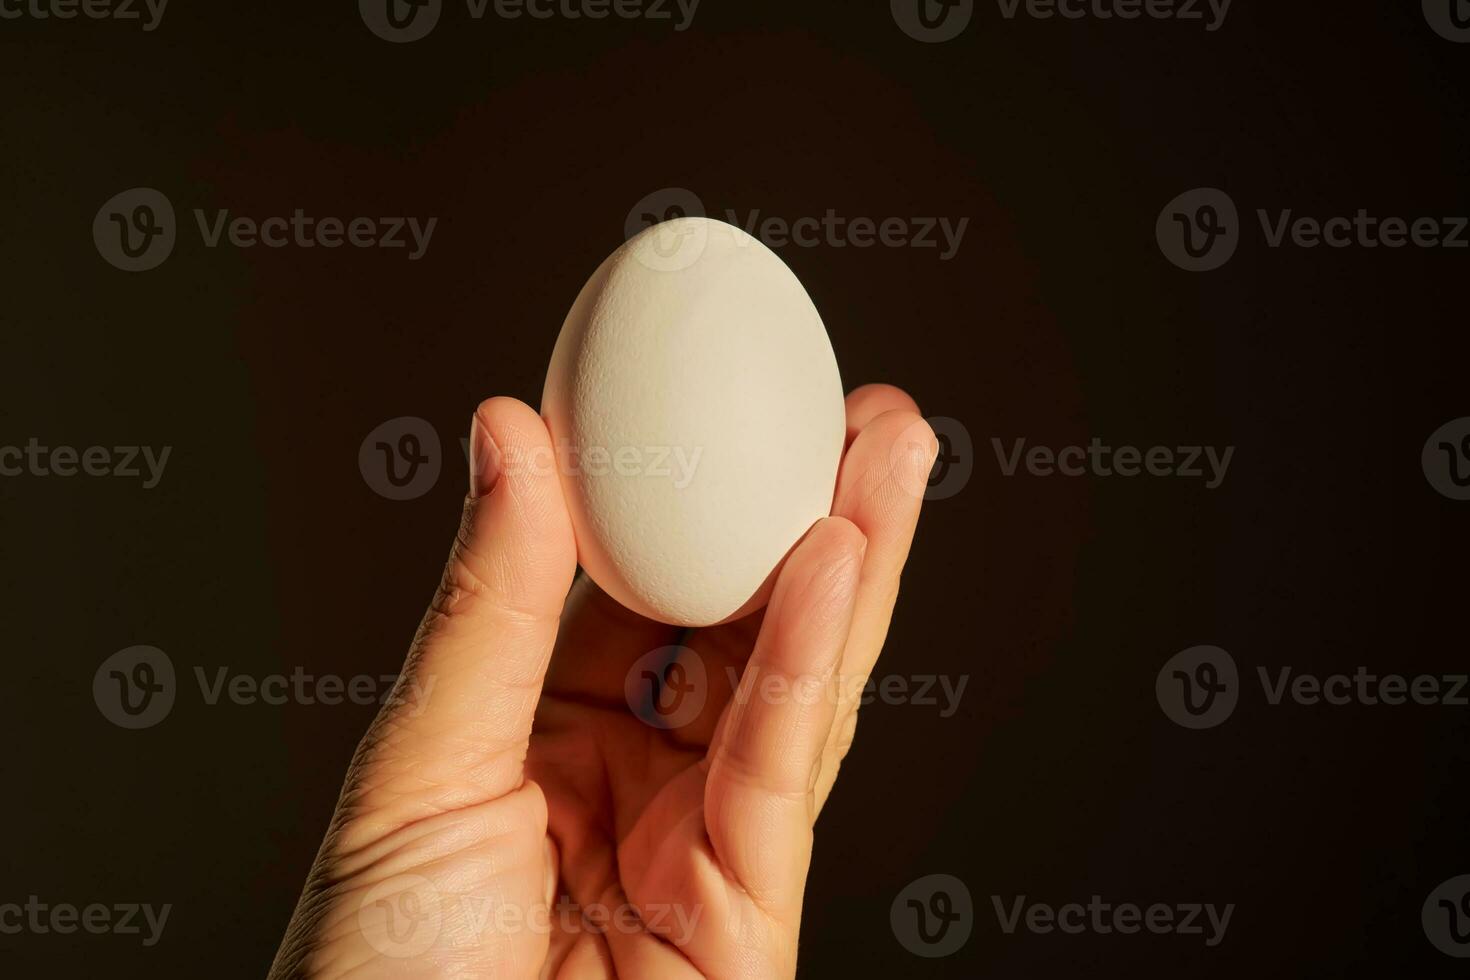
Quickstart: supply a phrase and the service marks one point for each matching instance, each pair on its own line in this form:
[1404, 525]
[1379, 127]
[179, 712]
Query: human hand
[511, 814]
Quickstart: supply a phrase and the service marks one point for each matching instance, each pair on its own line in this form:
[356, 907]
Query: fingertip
[867, 402]
[915, 448]
[917, 439]
[510, 422]
[516, 513]
[825, 569]
[897, 449]
[840, 537]
[877, 398]
[510, 443]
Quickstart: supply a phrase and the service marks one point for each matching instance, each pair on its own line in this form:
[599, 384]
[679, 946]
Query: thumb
[456, 730]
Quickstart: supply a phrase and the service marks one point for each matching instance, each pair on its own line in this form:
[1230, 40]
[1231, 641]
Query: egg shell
[697, 414]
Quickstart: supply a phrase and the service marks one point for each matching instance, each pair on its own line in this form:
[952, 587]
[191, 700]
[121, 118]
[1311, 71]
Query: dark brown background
[263, 548]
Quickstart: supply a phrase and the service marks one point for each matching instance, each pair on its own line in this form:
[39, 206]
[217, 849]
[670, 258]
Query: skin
[510, 814]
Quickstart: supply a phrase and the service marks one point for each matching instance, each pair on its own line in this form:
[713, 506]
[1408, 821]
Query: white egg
[697, 411]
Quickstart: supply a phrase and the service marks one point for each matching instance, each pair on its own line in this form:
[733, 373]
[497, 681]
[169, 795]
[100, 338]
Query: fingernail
[484, 459]
[912, 459]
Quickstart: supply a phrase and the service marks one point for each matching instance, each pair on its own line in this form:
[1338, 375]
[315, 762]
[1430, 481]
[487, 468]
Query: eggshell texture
[697, 412]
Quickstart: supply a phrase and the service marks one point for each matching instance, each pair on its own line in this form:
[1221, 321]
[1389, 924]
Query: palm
[625, 781]
[527, 811]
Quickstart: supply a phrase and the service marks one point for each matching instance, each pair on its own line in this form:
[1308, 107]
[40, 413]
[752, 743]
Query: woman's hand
[561, 788]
